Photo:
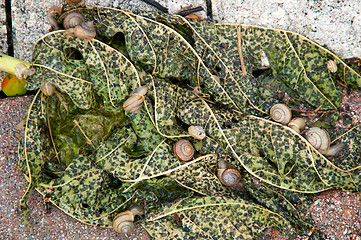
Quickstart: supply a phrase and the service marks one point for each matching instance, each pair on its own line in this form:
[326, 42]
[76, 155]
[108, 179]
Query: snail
[124, 221]
[48, 89]
[22, 71]
[320, 139]
[85, 30]
[73, 1]
[135, 102]
[331, 66]
[72, 20]
[229, 176]
[197, 132]
[281, 113]
[184, 150]
[52, 16]
[298, 124]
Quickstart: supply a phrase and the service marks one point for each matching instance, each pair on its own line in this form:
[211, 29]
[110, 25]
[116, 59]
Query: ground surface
[332, 23]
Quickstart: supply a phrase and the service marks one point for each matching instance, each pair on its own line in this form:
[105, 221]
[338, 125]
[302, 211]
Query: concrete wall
[329, 22]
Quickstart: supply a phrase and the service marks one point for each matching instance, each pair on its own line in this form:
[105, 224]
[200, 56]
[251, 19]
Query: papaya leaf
[215, 218]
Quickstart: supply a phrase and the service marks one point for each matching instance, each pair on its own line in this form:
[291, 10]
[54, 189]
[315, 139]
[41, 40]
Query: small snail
[135, 102]
[320, 139]
[298, 124]
[48, 89]
[184, 150]
[73, 1]
[52, 16]
[331, 66]
[281, 113]
[197, 132]
[22, 71]
[124, 221]
[72, 20]
[229, 176]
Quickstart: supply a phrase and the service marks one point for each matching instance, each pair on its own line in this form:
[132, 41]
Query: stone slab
[335, 24]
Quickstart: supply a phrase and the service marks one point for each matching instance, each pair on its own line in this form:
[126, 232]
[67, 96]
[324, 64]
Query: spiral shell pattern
[230, 177]
[318, 138]
[281, 113]
[184, 150]
[72, 20]
[123, 222]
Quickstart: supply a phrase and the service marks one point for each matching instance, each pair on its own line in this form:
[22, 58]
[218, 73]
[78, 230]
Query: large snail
[229, 176]
[184, 150]
[76, 25]
[124, 221]
[281, 113]
[135, 102]
[197, 132]
[320, 140]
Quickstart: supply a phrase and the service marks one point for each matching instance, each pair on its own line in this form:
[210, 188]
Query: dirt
[336, 214]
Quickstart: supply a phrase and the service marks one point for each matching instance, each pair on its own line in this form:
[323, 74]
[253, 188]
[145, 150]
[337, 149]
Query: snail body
[331, 66]
[229, 176]
[124, 221]
[52, 16]
[298, 124]
[184, 150]
[197, 132]
[85, 30]
[135, 102]
[281, 113]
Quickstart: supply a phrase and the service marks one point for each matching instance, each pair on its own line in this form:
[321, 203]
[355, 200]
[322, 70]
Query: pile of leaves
[87, 156]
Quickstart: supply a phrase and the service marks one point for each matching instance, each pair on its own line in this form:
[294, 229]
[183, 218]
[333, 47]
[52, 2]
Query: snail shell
[331, 66]
[228, 175]
[281, 113]
[48, 89]
[318, 138]
[85, 30]
[298, 124]
[141, 90]
[184, 150]
[197, 132]
[134, 103]
[73, 1]
[123, 222]
[22, 71]
[52, 16]
[72, 20]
